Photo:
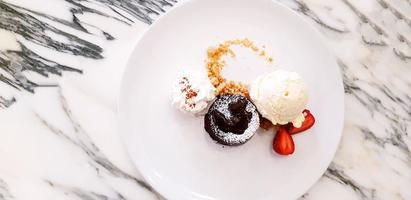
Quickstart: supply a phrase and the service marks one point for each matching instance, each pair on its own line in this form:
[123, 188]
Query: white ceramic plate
[172, 150]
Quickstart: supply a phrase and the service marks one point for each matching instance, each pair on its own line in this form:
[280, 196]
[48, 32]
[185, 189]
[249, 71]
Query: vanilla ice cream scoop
[280, 96]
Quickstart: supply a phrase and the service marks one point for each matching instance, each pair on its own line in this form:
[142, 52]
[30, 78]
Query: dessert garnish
[192, 92]
[307, 123]
[215, 64]
[231, 120]
[283, 143]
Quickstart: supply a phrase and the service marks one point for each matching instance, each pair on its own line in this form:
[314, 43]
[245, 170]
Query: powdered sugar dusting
[232, 138]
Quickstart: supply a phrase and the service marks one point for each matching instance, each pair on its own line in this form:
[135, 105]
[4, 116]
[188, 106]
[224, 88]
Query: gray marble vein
[394, 11]
[374, 104]
[98, 160]
[5, 193]
[4, 103]
[383, 101]
[33, 30]
[81, 194]
[303, 8]
[384, 132]
[28, 24]
[335, 173]
[381, 36]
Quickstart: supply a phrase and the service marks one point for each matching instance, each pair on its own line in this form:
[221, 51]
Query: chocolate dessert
[231, 120]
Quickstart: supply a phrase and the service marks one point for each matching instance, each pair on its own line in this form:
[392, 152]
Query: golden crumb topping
[215, 64]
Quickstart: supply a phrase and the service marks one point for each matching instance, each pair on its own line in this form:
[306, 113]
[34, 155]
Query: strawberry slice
[307, 123]
[283, 143]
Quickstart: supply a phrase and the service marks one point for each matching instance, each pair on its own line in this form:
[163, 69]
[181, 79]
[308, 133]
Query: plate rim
[163, 191]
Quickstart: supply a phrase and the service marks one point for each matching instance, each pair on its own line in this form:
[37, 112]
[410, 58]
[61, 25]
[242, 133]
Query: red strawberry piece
[283, 143]
[307, 123]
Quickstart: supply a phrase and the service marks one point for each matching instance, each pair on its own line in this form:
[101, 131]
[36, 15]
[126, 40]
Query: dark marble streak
[401, 54]
[140, 9]
[75, 23]
[102, 165]
[29, 25]
[305, 196]
[335, 172]
[364, 19]
[5, 193]
[33, 30]
[14, 63]
[79, 193]
[370, 136]
[303, 8]
[400, 37]
[383, 35]
[4, 103]
[398, 121]
[371, 42]
[394, 11]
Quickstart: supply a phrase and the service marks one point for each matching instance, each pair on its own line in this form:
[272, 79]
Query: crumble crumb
[215, 64]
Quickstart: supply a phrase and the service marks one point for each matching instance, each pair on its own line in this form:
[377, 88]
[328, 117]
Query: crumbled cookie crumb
[215, 64]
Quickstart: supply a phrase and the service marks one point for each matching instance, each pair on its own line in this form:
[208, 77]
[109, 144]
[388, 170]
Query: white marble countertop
[60, 68]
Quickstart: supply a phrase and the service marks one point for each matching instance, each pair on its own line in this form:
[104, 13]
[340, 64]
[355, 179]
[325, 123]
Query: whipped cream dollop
[192, 92]
[280, 96]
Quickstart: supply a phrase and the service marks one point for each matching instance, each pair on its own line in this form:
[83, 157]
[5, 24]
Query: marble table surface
[61, 63]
